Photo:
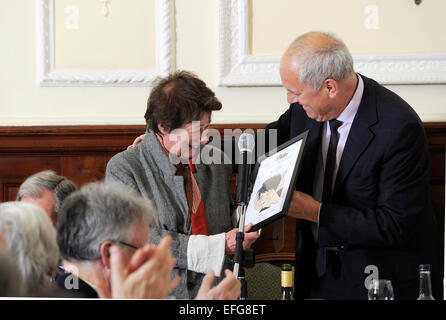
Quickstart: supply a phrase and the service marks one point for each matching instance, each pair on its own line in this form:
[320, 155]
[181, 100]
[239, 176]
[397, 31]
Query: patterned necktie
[196, 206]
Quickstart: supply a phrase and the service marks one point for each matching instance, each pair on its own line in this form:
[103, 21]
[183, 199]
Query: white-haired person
[31, 238]
[10, 280]
[362, 196]
[47, 190]
[103, 232]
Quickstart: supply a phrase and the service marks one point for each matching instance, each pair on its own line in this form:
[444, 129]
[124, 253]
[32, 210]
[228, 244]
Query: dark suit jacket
[76, 287]
[381, 213]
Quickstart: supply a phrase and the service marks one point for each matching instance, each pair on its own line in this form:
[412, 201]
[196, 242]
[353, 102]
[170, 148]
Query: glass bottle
[287, 282]
[425, 283]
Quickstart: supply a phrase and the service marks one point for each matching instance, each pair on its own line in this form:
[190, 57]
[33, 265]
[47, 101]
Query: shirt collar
[348, 114]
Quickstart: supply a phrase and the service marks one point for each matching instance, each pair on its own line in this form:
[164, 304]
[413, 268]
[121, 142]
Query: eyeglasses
[119, 242]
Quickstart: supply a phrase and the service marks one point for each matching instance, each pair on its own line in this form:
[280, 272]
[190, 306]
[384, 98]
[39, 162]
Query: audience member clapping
[103, 231]
[95, 219]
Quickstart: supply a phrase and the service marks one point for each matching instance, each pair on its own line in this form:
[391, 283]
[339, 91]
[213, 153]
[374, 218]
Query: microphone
[245, 145]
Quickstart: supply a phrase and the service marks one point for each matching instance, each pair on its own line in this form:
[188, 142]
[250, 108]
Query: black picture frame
[291, 186]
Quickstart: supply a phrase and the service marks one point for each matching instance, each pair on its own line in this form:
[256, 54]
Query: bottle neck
[425, 284]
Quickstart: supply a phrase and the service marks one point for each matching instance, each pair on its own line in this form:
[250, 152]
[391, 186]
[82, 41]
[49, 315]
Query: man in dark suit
[362, 200]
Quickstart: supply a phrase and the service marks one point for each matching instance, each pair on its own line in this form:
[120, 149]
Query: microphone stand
[242, 258]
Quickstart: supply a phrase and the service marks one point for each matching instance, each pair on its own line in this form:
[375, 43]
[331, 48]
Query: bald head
[315, 57]
[315, 40]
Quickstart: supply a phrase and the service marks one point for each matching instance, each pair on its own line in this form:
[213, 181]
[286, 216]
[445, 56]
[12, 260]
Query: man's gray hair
[34, 186]
[318, 63]
[98, 212]
[31, 238]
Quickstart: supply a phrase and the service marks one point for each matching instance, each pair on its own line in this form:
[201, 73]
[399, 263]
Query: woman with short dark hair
[193, 197]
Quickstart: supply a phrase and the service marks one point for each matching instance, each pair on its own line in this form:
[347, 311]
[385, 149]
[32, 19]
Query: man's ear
[332, 87]
[163, 129]
[104, 250]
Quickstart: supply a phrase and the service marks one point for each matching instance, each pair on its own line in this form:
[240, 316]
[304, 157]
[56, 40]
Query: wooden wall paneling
[14, 169]
[85, 168]
[9, 189]
[60, 139]
[81, 154]
[78, 152]
[265, 249]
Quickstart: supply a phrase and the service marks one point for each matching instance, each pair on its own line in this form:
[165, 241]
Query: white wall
[22, 102]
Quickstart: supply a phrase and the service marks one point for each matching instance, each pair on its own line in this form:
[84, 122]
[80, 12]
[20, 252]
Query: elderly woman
[31, 238]
[193, 198]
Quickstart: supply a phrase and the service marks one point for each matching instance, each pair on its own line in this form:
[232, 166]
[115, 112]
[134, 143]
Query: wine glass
[380, 289]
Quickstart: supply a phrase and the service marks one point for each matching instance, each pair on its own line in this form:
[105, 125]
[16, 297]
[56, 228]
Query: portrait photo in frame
[274, 179]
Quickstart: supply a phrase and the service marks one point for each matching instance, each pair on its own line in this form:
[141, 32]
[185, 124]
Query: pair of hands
[148, 276]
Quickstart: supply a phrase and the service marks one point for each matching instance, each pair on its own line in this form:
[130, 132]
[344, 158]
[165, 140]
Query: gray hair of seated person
[11, 284]
[98, 212]
[318, 63]
[34, 186]
[31, 238]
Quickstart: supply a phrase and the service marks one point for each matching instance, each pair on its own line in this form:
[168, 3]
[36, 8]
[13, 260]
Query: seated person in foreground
[192, 196]
[31, 238]
[10, 280]
[102, 235]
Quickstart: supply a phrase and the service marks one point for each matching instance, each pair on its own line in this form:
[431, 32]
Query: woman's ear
[162, 129]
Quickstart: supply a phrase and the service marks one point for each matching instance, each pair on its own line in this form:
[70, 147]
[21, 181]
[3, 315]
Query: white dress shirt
[347, 116]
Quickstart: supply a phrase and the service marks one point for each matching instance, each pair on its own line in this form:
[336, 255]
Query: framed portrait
[275, 177]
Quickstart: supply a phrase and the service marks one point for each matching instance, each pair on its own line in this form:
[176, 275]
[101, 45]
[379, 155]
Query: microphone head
[246, 142]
